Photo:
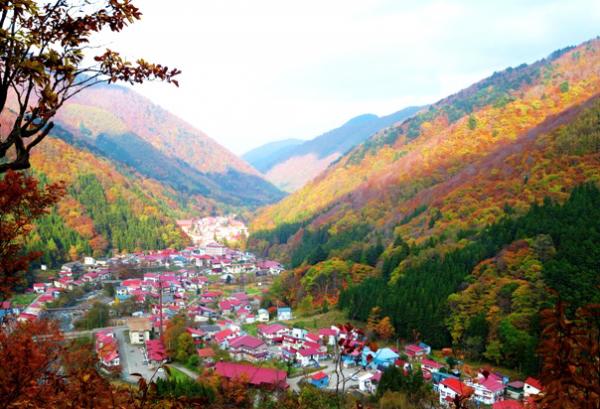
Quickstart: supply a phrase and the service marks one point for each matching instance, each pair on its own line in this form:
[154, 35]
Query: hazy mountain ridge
[263, 157]
[315, 155]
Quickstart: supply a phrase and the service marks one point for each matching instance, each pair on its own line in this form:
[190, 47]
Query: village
[218, 292]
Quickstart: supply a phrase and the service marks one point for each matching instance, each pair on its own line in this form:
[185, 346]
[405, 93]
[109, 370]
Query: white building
[532, 387]
[263, 315]
[449, 388]
[139, 330]
[284, 313]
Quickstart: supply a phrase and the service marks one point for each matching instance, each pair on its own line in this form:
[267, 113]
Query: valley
[446, 255]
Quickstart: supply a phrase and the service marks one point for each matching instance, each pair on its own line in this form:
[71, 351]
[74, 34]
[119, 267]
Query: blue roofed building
[284, 313]
[382, 358]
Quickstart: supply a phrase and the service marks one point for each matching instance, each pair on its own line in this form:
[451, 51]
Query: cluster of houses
[201, 262]
[492, 389]
[70, 276]
[211, 259]
[207, 229]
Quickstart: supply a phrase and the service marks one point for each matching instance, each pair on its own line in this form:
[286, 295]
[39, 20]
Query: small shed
[320, 380]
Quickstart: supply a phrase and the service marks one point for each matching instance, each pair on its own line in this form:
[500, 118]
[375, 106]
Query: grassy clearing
[24, 299]
[251, 329]
[323, 320]
[177, 375]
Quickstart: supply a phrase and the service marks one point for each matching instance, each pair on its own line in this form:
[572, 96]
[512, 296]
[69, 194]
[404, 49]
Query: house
[425, 347]
[284, 313]
[532, 387]
[156, 352]
[248, 348]
[89, 261]
[206, 353]
[7, 309]
[139, 330]
[382, 358]
[39, 288]
[197, 335]
[107, 349]
[430, 365]
[449, 388]
[272, 333]
[319, 380]
[214, 250]
[415, 352]
[514, 390]
[507, 404]
[109, 358]
[223, 337]
[209, 330]
[385, 357]
[121, 293]
[327, 335]
[487, 391]
[252, 375]
[263, 315]
[365, 383]
[309, 355]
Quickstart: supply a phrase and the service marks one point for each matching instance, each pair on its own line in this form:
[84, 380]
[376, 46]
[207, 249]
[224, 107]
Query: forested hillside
[475, 191]
[125, 127]
[105, 208]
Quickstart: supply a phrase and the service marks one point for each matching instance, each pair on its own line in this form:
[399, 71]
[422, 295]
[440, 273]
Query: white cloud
[271, 69]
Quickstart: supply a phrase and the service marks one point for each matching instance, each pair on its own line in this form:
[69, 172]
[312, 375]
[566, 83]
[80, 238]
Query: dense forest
[105, 209]
[567, 237]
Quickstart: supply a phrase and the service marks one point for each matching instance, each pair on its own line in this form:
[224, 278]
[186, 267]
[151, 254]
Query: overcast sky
[263, 70]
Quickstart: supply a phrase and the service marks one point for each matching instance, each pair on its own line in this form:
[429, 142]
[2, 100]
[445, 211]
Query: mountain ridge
[131, 129]
[314, 155]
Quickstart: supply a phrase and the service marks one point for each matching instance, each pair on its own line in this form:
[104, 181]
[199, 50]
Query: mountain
[491, 185]
[107, 207]
[263, 157]
[131, 169]
[127, 128]
[315, 155]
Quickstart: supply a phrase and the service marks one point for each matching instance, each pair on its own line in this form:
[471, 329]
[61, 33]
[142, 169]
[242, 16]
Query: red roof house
[253, 375]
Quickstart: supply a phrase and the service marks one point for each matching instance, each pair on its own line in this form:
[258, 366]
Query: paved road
[132, 360]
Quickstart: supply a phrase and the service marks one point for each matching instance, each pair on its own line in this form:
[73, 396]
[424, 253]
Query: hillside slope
[128, 128]
[414, 200]
[315, 155]
[106, 208]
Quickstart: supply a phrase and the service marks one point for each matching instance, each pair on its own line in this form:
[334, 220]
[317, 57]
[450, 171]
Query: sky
[265, 70]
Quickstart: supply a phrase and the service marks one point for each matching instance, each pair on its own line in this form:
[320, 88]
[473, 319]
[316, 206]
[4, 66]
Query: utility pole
[160, 306]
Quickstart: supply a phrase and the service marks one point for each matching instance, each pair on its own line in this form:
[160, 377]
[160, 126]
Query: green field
[177, 375]
[23, 299]
[323, 320]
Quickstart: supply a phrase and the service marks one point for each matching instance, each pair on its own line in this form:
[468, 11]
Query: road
[132, 360]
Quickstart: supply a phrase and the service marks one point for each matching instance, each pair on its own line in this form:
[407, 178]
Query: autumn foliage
[42, 49]
[570, 350]
[22, 201]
